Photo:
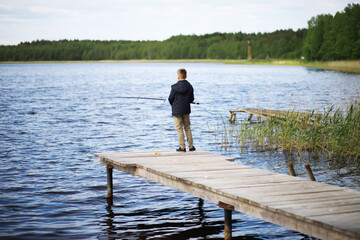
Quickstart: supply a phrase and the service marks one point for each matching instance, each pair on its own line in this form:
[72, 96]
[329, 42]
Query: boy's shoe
[181, 150]
[192, 149]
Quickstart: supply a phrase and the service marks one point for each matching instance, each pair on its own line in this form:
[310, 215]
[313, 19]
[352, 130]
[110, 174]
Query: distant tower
[249, 51]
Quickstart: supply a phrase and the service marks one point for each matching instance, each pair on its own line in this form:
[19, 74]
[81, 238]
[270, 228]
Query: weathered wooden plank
[244, 176]
[308, 197]
[246, 182]
[163, 159]
[160, 154]
[315, 201]
[322, 203]
[283, 189]
[314, 211]
[231, 173]
[340, 221]
[195, 168]
[268, 113]
[271, 112]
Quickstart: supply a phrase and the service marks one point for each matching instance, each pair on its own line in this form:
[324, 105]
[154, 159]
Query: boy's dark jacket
[181, 95]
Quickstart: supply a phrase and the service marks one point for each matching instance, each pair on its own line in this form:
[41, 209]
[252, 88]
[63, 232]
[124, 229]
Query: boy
[181, 95]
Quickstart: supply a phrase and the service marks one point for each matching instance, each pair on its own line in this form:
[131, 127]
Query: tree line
[334, 37]
[327, 38]
[279, 44]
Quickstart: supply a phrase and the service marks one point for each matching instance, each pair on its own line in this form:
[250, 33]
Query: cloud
[22, 20]
[5, 7]
[63, 12]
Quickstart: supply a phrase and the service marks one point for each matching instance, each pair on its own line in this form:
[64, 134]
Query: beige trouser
[183, 122]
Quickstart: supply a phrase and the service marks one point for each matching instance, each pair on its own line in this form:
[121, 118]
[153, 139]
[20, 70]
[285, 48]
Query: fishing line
[149, 98]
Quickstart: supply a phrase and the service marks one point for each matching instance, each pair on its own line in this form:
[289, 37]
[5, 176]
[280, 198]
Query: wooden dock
[268, 113]
[316, 209]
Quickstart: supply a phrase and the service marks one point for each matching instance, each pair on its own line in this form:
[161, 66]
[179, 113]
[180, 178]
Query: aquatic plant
[333, 134]
[351, 66]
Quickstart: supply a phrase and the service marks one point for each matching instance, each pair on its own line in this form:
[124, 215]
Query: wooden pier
[316, 209]
[268, 113]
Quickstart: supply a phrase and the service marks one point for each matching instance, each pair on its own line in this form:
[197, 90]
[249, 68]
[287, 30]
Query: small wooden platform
[316, 209]
[268, 113]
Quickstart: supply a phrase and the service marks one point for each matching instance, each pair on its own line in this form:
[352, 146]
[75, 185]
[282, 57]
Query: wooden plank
[232, 173]
[246, 175]
[268, 113]
[316, 209]
[159, 153]
[278, 190]
[321, 203]
[271, 112]
[246, 182]
[166, 156]
[341, 220]
[195, 168]
[315, 198]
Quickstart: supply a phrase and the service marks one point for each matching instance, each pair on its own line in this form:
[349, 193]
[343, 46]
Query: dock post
[232, 117]
[309, 172]
[228, 219]
[228, 224]
[291, 169]
[109, 171]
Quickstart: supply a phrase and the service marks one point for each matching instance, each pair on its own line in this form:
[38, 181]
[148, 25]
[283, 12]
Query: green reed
[334, 134]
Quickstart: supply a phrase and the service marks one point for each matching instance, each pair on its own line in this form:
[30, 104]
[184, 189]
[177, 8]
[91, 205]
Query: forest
[326, 38]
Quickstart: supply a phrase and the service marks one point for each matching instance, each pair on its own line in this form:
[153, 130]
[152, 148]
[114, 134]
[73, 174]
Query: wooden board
[307, 118]
[270, 112]
[317, 209]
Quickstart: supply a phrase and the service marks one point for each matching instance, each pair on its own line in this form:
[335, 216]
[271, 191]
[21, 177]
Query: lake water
[53, 117]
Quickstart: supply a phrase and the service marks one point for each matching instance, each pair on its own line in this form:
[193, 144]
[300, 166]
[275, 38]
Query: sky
[29, 20]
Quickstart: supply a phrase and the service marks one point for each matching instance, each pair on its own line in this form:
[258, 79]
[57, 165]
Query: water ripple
[53, 117]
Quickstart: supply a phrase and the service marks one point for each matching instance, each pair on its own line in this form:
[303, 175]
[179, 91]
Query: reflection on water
[169, 229]
[54, 116]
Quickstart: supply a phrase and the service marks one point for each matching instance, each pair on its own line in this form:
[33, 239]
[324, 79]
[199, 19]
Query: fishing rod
[149, 98]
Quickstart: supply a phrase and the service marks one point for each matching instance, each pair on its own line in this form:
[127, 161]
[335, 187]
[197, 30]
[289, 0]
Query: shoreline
[348, 66]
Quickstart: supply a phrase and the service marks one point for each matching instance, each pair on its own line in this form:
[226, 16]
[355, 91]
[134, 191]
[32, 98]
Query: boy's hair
[182, 73]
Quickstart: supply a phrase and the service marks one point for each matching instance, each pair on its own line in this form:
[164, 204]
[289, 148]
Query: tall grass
[334, 134]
